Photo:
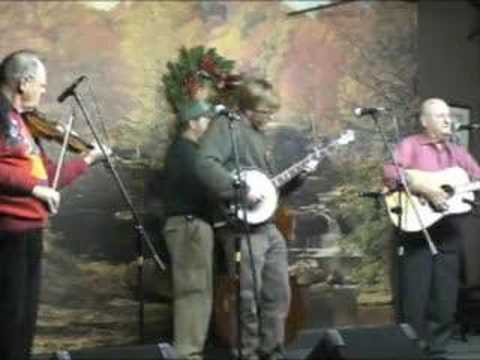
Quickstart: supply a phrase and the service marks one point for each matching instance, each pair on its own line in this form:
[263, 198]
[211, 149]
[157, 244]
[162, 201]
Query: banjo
[264, 209]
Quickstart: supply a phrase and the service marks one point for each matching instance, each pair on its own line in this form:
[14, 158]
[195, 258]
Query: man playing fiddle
[26, 199]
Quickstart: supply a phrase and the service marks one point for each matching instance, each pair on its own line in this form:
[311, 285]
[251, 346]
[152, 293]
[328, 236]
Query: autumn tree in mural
[323, 64]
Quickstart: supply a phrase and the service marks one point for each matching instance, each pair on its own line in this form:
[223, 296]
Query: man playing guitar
[429, 283]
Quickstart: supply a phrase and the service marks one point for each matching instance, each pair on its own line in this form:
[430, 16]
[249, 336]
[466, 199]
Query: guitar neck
[473, 186]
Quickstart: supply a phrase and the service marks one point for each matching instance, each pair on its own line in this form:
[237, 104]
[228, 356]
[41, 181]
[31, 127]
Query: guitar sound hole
[396, 210]
[448, 189]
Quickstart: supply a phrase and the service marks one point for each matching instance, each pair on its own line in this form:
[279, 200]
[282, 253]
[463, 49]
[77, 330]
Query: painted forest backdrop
[323, 63]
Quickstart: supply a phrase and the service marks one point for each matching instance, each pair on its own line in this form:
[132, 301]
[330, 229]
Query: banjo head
[265, 208]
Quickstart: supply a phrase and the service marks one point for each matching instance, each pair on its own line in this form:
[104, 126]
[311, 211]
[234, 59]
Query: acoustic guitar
[454, 181]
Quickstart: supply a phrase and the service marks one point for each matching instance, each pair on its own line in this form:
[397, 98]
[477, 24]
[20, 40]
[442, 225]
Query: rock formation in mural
[324, 63]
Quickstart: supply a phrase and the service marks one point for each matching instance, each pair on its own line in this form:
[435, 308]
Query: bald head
[19, 66]
[23, 78]
[428, 104]
[435, 119]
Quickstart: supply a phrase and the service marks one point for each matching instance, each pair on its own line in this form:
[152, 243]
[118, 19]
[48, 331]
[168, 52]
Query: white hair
[427, 104]
[22, 65]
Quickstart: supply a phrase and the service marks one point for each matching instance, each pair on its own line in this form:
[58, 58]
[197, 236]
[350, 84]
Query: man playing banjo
[254, 102]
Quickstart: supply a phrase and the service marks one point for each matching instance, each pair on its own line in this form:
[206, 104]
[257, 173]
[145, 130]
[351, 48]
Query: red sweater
[23, 165]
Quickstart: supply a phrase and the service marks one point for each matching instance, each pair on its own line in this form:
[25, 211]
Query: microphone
[69, 90]
[467, 127]
[362, 111]
[223, 110]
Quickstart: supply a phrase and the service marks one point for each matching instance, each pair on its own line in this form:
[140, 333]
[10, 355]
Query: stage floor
[470, 350]
[458, 350]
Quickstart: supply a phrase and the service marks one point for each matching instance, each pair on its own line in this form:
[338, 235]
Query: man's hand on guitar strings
[437, 198]
[432, 193]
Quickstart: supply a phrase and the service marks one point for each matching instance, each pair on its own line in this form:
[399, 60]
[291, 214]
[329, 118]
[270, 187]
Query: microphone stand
[398, 232]
[240, 205]
[142, 236]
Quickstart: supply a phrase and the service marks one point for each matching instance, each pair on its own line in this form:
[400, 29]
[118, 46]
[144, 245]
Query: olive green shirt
[215, 163]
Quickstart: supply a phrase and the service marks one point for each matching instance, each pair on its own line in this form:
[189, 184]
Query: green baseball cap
[193, 110]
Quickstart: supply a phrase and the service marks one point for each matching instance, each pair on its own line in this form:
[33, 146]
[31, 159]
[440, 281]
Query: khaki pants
[190, 244]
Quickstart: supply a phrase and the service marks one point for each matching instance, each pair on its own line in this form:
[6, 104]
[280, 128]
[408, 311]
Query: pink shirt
[419, 152]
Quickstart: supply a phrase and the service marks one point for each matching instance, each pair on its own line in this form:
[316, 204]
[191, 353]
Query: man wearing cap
[188, 234]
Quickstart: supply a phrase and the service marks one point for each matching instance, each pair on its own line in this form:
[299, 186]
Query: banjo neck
[264, 210]
[288, 174]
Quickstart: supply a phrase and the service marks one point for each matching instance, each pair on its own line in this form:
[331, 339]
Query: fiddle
[51, 130]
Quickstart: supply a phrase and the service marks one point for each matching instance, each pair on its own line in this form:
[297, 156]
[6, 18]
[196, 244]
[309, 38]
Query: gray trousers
[190, 244]
[270, 258]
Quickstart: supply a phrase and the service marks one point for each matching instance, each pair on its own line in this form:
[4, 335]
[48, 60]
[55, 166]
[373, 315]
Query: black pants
[20, 270]
[427, 285]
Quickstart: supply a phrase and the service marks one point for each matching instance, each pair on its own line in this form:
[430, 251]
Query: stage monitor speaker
[159, 351]
[393, 342]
